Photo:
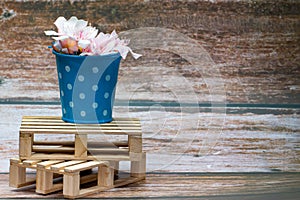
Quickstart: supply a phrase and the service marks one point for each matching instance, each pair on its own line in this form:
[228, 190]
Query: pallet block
[73, 175]
[79, 149]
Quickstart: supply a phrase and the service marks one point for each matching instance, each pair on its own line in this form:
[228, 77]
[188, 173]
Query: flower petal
[56, 46]
[109, 46]
[135, 55]
[89, 32]
[114, 34]
[65, 50]
[84, 43]
[75, 36]
[59, 23]
[51, 32]
[63, 37]
[86, 54]
[69, 26]
[80, 24]
[123, 50]
[73, 20]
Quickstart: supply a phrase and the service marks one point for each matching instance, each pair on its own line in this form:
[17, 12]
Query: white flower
[108, 43]
[74, 36]
[73, 29]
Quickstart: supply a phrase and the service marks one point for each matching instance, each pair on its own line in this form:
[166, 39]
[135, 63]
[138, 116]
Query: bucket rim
[114, 54]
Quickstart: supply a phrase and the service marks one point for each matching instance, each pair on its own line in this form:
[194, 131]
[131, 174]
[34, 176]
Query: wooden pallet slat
[107, 144]
[59, 120]
[62, 165]
[104, 151]
[111, 157]
[83, 166]
[57, 149]
[30, 163]
[124, 128]
[15, 161]
[28, 131]
[62, 123]
[89, 157]
[47, 163]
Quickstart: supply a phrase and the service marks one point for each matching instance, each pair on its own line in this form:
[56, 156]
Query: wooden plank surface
[253, 44]
[234, 186]
[62, 165]
[186, 141]
[83, 166]
[55, 125]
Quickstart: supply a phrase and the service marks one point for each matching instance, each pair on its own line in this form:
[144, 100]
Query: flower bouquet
[87, 66]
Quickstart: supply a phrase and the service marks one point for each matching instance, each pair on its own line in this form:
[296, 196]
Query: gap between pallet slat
[90, 144]
[45, 149]
[71, 157]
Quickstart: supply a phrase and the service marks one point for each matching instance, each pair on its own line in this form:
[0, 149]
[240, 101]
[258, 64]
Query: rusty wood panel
[254, 44]
[187, 141]
[191, 185]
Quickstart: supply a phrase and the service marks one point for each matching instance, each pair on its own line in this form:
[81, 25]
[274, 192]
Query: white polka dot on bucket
[81, 78]
[104, 112]
[71, 104]
[67, 68]
[95, 88]
[69, 86]
[82, 113]
[82, 96]
[60, 75]
[95, 70]
[106, 95]
[95, 105]
[107, 77]
[64, 111]
[62, 93]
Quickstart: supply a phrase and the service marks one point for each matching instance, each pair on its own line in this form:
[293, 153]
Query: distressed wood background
[253, 46]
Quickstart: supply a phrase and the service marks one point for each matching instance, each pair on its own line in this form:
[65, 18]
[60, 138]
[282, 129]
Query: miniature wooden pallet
[73, 176]
[79, 149]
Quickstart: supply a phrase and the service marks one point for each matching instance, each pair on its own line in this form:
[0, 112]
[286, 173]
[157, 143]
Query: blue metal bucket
[87, 86]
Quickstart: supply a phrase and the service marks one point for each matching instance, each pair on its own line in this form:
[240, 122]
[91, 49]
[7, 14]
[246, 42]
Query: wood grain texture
[50, 124]
[254, 44]
[191, 185]
[74, 177]
[33, 126]
[217, 142]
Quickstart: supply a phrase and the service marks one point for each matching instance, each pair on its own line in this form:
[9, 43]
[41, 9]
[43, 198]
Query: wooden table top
[189, 186]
